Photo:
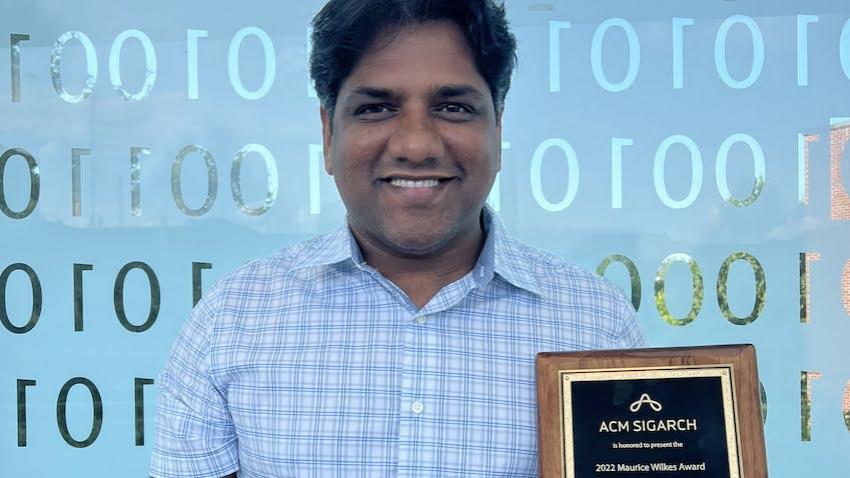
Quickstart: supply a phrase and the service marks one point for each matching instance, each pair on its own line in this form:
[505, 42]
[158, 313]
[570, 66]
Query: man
[404, 343]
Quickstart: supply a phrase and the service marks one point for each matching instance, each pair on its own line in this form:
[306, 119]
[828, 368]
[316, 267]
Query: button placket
[410, 389]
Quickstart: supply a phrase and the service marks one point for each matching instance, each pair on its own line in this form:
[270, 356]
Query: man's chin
[407, 236]
[416, 237]
[416, 247]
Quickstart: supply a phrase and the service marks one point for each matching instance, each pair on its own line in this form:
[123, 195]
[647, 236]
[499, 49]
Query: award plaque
[665, 412]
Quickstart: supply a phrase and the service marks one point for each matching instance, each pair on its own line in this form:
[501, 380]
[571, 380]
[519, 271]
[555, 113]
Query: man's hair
[344, 29]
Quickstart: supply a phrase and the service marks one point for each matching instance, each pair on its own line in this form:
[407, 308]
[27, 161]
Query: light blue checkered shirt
[311, 364]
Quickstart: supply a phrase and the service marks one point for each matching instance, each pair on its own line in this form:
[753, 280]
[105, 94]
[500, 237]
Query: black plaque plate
[672, 421]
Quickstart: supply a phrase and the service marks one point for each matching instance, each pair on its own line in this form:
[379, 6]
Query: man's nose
[417, 138]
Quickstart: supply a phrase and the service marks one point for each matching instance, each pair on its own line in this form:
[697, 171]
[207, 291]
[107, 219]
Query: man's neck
[421, 277]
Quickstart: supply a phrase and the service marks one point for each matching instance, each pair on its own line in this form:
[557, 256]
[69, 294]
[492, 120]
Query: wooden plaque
[683, 412]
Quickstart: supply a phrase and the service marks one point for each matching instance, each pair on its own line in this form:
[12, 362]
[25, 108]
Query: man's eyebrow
[372, 92]
[453, 91]
[444, 91]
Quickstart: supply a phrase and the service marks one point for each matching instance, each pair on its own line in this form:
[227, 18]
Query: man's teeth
[408, 183]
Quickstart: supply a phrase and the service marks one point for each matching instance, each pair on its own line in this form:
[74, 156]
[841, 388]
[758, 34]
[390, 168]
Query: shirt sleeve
[195, 436]
[633, 335]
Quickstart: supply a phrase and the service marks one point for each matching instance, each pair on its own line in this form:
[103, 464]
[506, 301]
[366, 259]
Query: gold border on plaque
[723, 371]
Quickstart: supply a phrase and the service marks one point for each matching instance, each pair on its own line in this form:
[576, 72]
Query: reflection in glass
[76, 153]
[56, 65]
[15, 40]
[212, 180]
[136, 179]
[34, 179]
[115, 65]
[271, 182]
[634, 275]
[761, 288]
[661, 300]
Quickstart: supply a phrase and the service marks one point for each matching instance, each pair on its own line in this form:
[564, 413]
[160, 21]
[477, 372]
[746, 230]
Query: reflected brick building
[839, 136]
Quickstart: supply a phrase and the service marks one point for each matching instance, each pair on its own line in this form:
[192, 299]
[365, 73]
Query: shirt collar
[500, 255]
[509, 261]
[327, 249]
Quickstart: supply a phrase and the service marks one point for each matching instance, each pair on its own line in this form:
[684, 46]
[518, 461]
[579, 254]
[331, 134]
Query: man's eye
[371, 109]
[456, 108]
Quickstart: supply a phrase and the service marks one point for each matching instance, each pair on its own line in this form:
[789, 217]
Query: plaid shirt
[311, 364]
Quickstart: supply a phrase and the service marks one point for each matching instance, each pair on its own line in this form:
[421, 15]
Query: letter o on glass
[233, 63]
[720, 51]
[115, 65]
[176, 183]
[634, 275]
[537, 174]
[56, 66]
[758, 169]
[698, 290]
[35, 285]
[596, 54]
[35, 183]
[696, 173]
[62, 417]
[118, 297]
[761, 288]
[271, 179]
[844, 49]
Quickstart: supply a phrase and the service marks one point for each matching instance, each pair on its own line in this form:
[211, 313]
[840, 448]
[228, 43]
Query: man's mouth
[416, 191]
[414, 183]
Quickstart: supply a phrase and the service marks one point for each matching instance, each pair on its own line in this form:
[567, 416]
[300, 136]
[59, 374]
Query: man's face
[416, 142]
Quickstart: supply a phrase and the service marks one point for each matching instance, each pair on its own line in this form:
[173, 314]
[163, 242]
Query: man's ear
[326, 139]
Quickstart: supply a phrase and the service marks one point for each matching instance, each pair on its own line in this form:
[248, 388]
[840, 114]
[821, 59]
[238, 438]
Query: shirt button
[417, 407]
[421, 320]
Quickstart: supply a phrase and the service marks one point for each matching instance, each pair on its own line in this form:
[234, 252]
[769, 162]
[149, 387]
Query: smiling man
[413, 143]
[402, 344]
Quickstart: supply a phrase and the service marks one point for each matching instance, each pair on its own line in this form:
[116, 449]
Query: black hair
[344, 29]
